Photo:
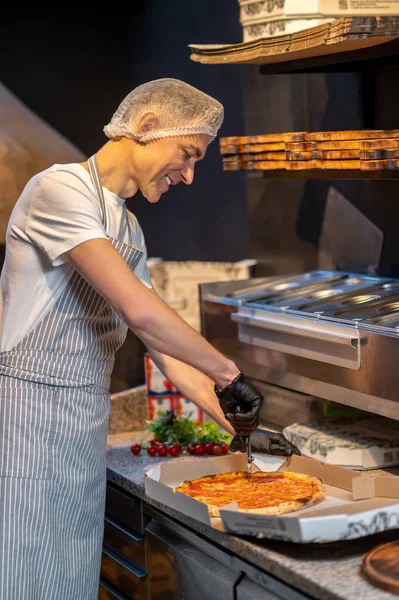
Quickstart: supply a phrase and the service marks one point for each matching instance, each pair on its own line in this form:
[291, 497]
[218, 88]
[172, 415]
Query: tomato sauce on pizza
[265, 493]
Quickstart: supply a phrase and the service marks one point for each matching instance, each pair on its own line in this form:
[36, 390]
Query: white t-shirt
[57, 210]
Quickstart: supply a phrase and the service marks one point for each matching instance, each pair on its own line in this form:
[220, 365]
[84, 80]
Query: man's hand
[240, 403]
[266, 442]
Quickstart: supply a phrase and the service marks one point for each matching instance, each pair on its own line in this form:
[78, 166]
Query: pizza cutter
[247, 446]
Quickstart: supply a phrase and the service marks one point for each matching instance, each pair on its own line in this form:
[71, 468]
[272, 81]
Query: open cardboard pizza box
[356, 504]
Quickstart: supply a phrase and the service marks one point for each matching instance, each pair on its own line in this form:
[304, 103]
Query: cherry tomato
[155, 442]
[162, 450]
[217, 450]
[224, 447]
[200, 449]
[135, 449]
[191, 448]
[151, 450]
[174, 449]
[209, 447]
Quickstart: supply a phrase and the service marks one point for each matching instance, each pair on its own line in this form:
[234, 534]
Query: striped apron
[54, 409]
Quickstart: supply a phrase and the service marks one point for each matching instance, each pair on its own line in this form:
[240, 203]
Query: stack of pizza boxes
[271, 18]
[365, 442]
[162, 395]
[267, 19]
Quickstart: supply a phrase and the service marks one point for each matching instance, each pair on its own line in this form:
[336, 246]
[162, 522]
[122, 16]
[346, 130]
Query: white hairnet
[180, 108]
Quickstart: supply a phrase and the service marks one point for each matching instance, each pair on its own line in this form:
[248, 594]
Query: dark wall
[74, 73]
[209, 220]
[70, 72]
[286, 216]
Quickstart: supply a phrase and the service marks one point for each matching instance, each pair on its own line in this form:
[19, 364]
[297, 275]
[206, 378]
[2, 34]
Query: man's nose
[187, 175]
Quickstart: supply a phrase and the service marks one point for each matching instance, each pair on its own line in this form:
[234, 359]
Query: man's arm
[192, 384]
[159, 326]
[199, 389]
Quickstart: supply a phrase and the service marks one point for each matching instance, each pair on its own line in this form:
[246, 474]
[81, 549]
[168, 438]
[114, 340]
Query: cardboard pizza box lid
[373, 486]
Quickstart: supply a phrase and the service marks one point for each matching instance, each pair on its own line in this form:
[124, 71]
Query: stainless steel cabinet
[177, 570]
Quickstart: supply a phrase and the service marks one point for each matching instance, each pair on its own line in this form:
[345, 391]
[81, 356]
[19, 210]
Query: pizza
[263, 494]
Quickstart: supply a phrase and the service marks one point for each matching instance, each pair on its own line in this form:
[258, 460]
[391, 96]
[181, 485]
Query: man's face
[166, 162]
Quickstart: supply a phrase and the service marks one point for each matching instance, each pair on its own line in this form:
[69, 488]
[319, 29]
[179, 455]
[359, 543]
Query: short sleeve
[63, 213]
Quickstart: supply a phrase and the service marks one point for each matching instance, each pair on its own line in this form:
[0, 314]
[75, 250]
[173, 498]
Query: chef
[73, 282]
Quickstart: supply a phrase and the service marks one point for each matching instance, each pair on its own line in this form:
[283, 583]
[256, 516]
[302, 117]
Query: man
[74, 280]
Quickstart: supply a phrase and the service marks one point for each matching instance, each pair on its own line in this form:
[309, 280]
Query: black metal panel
[125, 508]
[125, 544]
[131, 582]
[180, 571]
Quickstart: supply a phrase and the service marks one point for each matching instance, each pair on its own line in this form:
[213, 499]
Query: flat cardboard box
[359, 443]
[256, 9]
[177, 282]
[341, 8]
[339, 517]
[252, 9]
[256, 30]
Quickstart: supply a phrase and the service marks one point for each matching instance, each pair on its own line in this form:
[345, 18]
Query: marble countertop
[323, 571]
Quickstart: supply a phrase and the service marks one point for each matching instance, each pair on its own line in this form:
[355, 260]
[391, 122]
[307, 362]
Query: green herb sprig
[170, 428]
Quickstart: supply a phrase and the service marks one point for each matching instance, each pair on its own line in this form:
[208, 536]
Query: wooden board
[343, 145]
[342, 154]
[361, 134]
[252, 148]
[313, 146]
[268, 165]
[323, 164]
[378, 154]
[268, 138]
[363, 140]
[233, 166]
[257, 156]
[309, 155]
[381, 144]
[381, 566]
[378, 165]
[301, 146]
[321, 153]
[302, 165]
[325, 155]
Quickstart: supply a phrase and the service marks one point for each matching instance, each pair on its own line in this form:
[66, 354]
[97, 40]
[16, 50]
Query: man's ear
[147, 122]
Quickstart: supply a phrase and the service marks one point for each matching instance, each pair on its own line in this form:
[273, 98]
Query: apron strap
[95, 177]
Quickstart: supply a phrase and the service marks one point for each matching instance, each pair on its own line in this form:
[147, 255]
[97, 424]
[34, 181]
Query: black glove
[266, 442]
[241, 404]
